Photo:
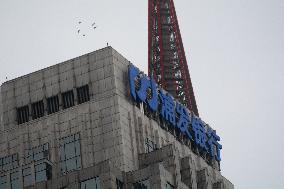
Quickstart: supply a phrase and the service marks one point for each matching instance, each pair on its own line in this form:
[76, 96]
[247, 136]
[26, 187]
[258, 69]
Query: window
[23, 114]
[83, 94]
[93, 183]
[42, 169]
[69, 152]
[37, 109]
[119, 184]
[27, 176]
[150, 146]
[37, 153]
[3, 182]
[168, 186]
[43, 172]
[9, 162]
[15, 180]
[142, 185]
[68, 99]
[52, 104]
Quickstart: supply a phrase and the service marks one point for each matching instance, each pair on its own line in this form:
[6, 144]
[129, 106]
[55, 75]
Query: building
[75, 125]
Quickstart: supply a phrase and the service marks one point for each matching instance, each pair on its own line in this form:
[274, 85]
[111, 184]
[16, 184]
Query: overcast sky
[235, 51]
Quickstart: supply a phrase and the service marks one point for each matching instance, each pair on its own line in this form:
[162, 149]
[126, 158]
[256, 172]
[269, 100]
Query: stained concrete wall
[137, 127]
[111, 127]
[97, 121]
[1, 115]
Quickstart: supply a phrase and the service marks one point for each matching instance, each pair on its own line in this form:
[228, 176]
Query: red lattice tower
[166, 57]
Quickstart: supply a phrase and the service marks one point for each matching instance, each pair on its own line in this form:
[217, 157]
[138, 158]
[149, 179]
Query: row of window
[93, 183]
[69, 153]
[43, 172]
[15, 183]
[70, 160]
[37, 167]
[37, 108]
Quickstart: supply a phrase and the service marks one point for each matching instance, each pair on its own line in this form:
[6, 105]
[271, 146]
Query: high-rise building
[166, 57]
[76, 125]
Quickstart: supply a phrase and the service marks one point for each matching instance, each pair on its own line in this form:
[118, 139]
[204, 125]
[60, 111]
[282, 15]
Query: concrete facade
[112, 131]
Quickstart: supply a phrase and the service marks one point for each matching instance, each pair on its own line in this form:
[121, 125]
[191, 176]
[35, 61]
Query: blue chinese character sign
[145, 89]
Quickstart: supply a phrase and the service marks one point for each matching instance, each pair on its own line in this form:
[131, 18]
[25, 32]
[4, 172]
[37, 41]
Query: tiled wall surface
[112, 129]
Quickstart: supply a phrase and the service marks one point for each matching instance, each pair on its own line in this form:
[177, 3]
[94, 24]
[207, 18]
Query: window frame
[96, 181]
[27, 174]
[83, 94]
[68, 99]
[37, 109]
[52, 104]
[15, 182]
[23, 114]
[66, 161]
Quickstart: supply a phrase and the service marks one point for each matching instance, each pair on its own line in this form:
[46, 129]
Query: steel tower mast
[166, 57]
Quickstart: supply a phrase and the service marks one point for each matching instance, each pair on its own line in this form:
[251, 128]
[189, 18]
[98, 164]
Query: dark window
[69, 152]
[9, 162]
[27, 176]
[52, 104]
[43, 172]
[68, 99]
[15, 180]
[142, 185]
[83, 94]
[23, 114]
[168, 186]
[150, 146]
[93, 183]
[3, 182]
[37, 153]
[119, 184]
[37, 109]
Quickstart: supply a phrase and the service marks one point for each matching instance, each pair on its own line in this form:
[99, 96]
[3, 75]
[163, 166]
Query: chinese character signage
[145, 89]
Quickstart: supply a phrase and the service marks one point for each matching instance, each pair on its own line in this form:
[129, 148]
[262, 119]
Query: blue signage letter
[132, 74]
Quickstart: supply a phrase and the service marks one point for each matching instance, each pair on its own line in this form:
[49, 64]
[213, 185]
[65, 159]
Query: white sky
[235, 51]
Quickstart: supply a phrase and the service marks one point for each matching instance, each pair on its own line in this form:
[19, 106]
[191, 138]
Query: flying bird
[82, 28]
[93, 25]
